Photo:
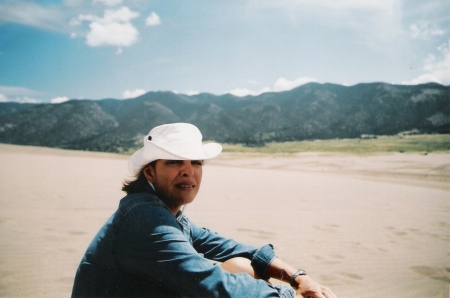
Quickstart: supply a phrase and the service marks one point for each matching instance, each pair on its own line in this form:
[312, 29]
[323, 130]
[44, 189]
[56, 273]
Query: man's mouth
[185, 186]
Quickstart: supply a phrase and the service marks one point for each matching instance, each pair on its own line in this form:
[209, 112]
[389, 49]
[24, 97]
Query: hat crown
[179, 138]
[177, 133]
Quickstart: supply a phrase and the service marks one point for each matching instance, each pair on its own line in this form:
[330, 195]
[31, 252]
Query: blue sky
[52, 51]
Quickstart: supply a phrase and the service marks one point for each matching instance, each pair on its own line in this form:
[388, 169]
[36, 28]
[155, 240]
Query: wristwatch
[294, 276]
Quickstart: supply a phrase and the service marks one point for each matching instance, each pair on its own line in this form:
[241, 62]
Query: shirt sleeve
[150, 244]
[218, 248]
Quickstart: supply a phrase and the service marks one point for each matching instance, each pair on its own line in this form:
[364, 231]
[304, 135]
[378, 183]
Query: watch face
[300, 272]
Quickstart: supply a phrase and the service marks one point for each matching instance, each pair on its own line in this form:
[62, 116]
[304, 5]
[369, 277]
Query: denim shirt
[143, 250]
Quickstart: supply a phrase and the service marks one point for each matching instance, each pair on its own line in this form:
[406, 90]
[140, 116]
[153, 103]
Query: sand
[366, 226]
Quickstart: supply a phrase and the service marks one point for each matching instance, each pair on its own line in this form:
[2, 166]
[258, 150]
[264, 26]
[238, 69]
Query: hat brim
[154, 152]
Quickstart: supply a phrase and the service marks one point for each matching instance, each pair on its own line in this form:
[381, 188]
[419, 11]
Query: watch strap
[294, 276]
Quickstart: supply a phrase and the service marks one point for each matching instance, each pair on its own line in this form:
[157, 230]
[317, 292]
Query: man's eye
[197, 162]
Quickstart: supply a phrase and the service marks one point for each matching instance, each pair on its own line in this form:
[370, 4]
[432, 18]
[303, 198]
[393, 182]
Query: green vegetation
[397, 143]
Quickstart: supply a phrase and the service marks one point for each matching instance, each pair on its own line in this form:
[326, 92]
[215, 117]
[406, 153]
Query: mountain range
[311, 111]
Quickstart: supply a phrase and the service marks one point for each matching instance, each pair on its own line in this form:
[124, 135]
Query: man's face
[177, 181]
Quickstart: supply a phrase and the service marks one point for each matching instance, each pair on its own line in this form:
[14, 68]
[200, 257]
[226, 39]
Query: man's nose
[187, 169]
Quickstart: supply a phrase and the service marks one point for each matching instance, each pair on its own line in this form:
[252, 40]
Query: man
[149, 248]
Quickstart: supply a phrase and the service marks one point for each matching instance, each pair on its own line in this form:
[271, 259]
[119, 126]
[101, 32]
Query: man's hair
[140, 184]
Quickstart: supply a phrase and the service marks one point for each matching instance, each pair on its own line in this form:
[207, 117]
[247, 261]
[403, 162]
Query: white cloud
[113, 34]
[280, 85]
[440, 66]
[422, 79]
[31, 14]
[59, 99]
[241, 92]
[188, 93]
[191, 93]
[121, 15]
[152, 20]
[437, 69]
[108, 2]
[283, 84]
[13, 90]
[424, 30]
[113, 29]
[133, 93]
[24, 99]
[75, 22]
[18, 94]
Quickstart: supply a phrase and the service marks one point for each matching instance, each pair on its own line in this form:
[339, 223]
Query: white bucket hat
[176, 141]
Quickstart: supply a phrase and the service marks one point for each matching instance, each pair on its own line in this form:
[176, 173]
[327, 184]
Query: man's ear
[149, 173]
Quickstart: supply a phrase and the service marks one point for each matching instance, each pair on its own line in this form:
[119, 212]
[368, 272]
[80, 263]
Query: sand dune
[371, 226]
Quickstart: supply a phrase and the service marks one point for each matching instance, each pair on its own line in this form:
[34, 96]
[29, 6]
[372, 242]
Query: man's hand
[309, 288]
[306, 287]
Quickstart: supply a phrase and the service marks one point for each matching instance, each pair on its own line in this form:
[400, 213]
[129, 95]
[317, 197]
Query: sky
[52, 51]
